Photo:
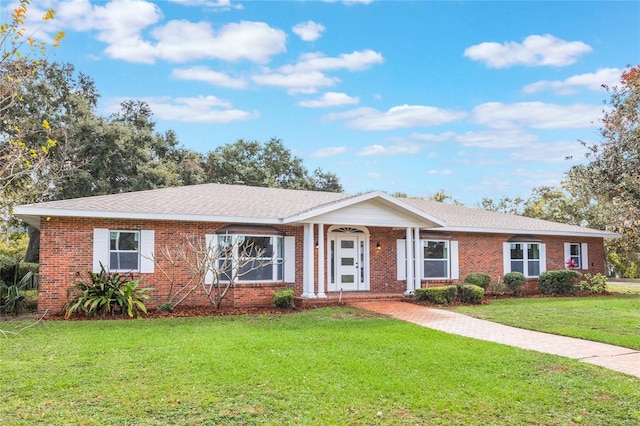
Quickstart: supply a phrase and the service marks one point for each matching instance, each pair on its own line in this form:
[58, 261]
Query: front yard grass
[613, 319]
[326, 366]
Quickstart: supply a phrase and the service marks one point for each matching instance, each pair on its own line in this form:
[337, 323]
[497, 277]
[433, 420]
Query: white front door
[351, 263]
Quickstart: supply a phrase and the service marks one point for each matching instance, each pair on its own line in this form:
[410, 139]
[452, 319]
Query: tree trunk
[33, 250]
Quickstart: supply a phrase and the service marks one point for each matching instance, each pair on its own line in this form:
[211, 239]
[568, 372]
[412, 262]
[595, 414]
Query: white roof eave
[30, 213]
[589, 233]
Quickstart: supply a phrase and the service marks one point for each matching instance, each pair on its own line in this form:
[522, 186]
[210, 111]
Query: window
[525, 258]
[128, 251]
[435, 259]
[124, 250]
[259, 258]
[574, 259]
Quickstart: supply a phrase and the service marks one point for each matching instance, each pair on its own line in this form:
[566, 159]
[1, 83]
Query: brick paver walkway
[613, 357]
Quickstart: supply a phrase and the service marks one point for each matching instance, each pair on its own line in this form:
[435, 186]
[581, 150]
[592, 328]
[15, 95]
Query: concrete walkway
[612, 357]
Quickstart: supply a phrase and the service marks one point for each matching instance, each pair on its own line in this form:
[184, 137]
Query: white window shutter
[543, 258]
[209, 240]
[567, 254]
[289, 259]
[401, 259]
[100, 249]
[506, 257]
[584, 253]
[453, 258]
[147, 247]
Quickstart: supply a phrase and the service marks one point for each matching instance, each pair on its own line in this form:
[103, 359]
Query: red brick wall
[67, 254]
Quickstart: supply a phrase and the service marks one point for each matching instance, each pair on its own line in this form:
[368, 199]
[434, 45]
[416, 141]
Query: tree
[215, 267]
[20, 162]
[610, 181]
[268, 165]
[442, 197]
[503, 205]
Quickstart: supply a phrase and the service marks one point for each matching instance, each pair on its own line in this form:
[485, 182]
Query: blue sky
[479, 98]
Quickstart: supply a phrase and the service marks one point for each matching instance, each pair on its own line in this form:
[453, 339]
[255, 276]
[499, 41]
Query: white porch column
[408, 242]
[307, 260]
[321, 261]
[416, 259]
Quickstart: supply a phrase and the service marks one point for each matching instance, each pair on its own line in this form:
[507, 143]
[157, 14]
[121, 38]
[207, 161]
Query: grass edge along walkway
[615, 358]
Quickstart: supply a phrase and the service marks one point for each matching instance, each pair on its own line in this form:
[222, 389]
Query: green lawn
[613, 319]
[327, 366]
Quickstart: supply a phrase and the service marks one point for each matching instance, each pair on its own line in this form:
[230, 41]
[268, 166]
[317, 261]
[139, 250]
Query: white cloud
[398, 117]
[398, 148]
[207, 75]
[374, 175]
[213, 4]
[429, 137]
[590, 81]
[180, 41]
[330, 99]
[309, 31]
[306, 82]
[439, 172]
[354, 61]
[553, 152]
[122, 26]
[535, 50]
[538, 115]
[201, 109]
[497, 139]
[329, 151]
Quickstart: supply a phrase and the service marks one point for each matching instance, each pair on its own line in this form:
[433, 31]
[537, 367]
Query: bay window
[249, 258]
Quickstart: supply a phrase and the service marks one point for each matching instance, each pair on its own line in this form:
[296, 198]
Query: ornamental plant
[105, 293]
[514, 282]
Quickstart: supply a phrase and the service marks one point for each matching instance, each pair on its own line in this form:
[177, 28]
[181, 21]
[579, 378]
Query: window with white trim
[435, 255]
[574, 260]
[124, 250]
[525, 258]
[260, 257]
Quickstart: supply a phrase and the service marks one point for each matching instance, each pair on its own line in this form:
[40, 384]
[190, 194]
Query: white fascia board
[30, 212]
[385, 198]
[590, 233]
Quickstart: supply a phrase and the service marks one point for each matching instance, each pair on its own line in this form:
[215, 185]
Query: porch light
[378, 246]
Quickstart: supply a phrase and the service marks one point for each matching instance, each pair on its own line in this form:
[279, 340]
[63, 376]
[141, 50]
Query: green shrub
[478, 278]
[563, 281]
[13, 295]
[497, 288]
[442, 295]
[470, 293]
[596, 284]
[105, 293]
[284, 299]
[514, 282]
[166, 307]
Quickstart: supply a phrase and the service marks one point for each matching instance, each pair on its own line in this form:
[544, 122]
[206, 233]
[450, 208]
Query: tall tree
[20, 161]
[269, 165]
[610, 180]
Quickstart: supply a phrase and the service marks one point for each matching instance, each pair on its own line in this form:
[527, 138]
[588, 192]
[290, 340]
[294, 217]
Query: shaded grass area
[613, 319]
[327, 366]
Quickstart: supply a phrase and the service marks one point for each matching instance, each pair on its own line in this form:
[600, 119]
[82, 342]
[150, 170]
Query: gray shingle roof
[217, 202]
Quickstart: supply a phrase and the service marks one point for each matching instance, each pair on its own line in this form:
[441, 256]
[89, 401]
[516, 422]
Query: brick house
[322, 244]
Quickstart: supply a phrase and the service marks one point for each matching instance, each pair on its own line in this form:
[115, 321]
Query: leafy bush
[559, 282]
[166, 307]
[596, 284]
[514, 282]
[478, 278]
[470, 293]
[13, 297]
[105, 293]
[497, 288]
[442, 295]
[284, 299]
